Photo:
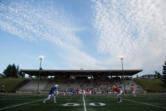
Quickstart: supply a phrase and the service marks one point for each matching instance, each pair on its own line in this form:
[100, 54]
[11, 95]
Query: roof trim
[127, 72]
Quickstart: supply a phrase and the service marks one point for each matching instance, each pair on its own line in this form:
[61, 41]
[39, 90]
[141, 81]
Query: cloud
[37, 21]
[30, 22]
[134, 29]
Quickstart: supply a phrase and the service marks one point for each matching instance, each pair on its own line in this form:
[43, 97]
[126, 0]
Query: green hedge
[10, 83]
[155, 85]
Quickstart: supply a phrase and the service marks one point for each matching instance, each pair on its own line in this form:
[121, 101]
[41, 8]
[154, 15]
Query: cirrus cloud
[134, 29]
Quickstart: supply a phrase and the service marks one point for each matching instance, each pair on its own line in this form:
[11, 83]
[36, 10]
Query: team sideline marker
[145, 103]
[17, 105]
[83, 99]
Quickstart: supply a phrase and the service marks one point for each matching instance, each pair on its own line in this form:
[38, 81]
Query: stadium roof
[82, 72]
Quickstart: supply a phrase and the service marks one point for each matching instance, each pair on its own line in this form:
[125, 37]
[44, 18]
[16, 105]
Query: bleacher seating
[103, 84]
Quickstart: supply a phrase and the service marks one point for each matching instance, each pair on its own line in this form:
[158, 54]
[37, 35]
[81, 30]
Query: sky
[88, 34]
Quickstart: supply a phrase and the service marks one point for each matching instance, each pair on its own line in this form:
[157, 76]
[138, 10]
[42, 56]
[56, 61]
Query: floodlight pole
[121, 58]
[40, 68]
[40, 63]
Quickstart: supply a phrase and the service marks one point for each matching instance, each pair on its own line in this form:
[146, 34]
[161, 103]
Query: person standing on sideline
[133, 90]
[84, 92]
[52, 92]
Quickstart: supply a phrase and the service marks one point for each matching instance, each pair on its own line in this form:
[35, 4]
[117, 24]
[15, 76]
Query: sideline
[17, 105]
[83, 99]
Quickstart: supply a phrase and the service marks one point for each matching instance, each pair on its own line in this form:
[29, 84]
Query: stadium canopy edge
[126, 72]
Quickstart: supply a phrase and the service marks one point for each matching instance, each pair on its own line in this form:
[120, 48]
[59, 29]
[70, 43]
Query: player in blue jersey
[52, 92]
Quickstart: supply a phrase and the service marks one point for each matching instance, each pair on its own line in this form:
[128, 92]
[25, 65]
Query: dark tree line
[13, 71]
[164, 72]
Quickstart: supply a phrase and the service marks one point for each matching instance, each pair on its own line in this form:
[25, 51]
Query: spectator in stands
[52, 92]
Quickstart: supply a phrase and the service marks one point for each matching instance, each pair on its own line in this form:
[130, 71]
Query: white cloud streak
[134, 29]
[31, 22]
[35, 22]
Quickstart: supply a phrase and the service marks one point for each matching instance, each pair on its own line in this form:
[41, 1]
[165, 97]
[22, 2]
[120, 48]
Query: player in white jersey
[83, 92]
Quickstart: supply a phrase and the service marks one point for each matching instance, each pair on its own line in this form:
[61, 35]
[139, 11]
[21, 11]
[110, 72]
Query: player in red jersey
[133, 89]
[119, 93]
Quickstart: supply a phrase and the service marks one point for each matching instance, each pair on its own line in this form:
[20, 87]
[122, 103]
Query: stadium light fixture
[40, 68]
[41, 58]
[122, 58]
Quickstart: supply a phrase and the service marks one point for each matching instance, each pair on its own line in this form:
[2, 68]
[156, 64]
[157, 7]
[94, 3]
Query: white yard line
[145, 104]
[83, 99]
[17, 105]
[14, 99]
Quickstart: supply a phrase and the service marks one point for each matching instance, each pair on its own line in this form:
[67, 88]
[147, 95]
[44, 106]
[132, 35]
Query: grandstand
[97, 80]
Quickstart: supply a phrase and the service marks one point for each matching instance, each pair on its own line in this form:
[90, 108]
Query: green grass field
[148, 102]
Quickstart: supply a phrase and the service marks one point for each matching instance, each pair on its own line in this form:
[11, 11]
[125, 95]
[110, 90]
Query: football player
[118, 92]
[52, 93]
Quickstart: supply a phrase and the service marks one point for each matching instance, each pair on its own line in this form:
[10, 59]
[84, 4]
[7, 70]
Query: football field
[147, 102]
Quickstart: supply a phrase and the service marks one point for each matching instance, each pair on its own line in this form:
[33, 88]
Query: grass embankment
[10, 84]
[156, 85]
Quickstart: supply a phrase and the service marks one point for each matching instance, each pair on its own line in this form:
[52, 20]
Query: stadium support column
[121, 58]
[38, 89]
[40, 69]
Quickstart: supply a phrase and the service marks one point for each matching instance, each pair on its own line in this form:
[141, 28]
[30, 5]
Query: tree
[158, 75]
[21, 74]
[11, 71]
[164, 72]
